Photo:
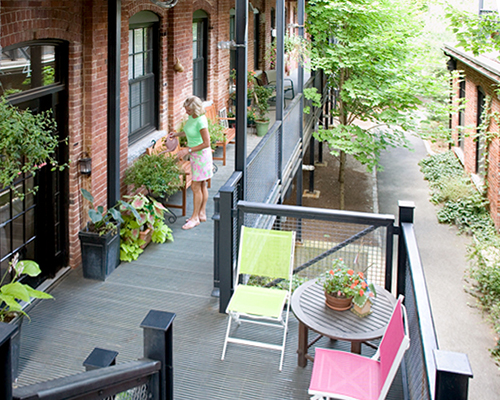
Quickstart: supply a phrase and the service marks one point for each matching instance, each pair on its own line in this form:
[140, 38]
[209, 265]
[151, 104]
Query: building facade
[56, 55]
[477, 91]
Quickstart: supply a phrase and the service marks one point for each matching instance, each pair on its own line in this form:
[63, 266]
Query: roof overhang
[487, 65]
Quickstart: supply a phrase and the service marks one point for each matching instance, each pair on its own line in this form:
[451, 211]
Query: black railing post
[216, 218]
[406, 215]
[453, 372]
[225, 252]
[6, 332]
[100, 358]
[157, 331]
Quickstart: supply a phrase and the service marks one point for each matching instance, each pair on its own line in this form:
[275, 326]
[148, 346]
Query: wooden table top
[308, 306]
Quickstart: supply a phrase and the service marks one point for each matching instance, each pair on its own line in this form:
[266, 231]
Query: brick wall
[83, 24]
[473, 81]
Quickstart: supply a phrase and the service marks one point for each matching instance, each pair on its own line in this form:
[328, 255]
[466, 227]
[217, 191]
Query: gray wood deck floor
[174, 277]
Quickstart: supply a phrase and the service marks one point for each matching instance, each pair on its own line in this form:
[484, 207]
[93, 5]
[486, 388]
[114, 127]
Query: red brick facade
[480, 74]
[84, 25]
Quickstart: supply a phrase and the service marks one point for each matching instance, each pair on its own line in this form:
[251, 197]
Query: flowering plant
[15, 291]
[342, 281]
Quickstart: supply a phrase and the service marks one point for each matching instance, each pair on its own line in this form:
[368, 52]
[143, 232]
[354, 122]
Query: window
[200, 41]
[461, 115]
[28, 67]
[480, 148]
[142, 72]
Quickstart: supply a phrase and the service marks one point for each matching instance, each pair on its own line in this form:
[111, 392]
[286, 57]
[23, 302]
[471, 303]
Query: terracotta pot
[338, 303]
[146, 236]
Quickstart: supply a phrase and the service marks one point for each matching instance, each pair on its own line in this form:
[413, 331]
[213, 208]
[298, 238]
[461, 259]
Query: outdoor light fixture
[165, 4]
[85, 166]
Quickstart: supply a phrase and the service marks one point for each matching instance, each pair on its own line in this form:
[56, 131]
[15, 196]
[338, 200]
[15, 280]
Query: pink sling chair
[347, 376]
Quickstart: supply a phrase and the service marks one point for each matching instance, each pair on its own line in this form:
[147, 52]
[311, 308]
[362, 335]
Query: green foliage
[465, 207]
[13, 292]
[315, 97]
[149, 214]
[216, 131]
[474, 33]
[26, 143]
[103, 221]
[369, 51]
[158, 173]
[261, 102]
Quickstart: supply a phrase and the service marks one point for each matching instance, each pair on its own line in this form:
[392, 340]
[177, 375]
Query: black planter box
[100, 254]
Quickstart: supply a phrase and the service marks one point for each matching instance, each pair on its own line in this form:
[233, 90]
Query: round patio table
[308, 306]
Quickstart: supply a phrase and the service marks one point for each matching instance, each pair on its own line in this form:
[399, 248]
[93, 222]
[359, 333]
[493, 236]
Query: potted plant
[11, 295]
[343, 286]
[99, 241]
[158, 173]
[261, 105]
[138, 229]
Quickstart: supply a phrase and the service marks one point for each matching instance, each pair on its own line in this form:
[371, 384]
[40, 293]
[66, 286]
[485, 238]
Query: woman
[200, 152]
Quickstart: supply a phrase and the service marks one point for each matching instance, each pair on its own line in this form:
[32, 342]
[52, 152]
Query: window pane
[26, 68]
[130, 67]
[135, 94]
[130, 41]
[195, 38]
[138, 45]
[138, 65]
[135, 118]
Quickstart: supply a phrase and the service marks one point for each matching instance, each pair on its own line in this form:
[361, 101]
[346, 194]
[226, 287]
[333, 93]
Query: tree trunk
[342, 180]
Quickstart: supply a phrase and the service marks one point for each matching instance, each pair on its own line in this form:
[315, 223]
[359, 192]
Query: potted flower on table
[343, 286]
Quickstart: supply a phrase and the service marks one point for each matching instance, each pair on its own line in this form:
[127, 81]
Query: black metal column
[406, 212]
[6, 332]
[280, 74]
[300, 175]
[158, 345]
[114, 49]
[453, 372]
[241, 88]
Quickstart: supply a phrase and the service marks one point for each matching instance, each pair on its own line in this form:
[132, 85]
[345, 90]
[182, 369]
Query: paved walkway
[459, 324]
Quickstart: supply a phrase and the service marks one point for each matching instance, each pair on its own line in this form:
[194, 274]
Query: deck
[174, 277]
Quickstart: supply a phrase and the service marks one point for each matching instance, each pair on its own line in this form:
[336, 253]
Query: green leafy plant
[103, 221]
[13, 292]
[158, 173]
[27, 143]
[216, 131]
[261, 102]
[150, 214]
[342, 281]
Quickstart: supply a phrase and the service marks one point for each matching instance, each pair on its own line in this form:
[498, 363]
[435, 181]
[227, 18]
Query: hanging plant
[27, 143]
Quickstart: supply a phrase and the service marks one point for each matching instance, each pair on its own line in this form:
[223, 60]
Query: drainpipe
[300, 20]
[280, 74]
[114, 48]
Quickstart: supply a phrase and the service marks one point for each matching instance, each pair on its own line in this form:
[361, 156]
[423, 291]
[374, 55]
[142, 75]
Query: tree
[368, 49]
[476, 33]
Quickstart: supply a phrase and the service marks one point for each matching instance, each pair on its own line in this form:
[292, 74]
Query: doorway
[200, 53]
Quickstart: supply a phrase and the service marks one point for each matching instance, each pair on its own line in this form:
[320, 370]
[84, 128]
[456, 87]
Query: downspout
[114, 49]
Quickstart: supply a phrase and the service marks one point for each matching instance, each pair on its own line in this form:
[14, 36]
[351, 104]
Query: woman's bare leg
[194, 220]
[202, 215]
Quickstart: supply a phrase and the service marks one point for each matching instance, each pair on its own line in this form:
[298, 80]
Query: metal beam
[114, 49]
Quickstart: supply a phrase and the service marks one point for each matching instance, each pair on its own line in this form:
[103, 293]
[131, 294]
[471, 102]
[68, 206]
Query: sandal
[190, 224]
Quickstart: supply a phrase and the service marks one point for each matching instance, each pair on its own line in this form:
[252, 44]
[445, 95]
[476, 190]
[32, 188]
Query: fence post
[406, 215]
[100, 358]
[157, 332]
[216, 218]
[6, 332]
[225, 251]
[453, 372]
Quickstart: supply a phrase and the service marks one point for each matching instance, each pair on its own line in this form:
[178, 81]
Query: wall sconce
[85, 166]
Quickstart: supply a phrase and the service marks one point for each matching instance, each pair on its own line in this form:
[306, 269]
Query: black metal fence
[366, 240]
[149, 378]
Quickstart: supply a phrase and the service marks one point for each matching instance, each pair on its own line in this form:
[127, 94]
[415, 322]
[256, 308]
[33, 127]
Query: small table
[308, 306]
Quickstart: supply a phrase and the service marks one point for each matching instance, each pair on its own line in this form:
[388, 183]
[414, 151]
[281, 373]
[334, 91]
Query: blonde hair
[195, 104]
